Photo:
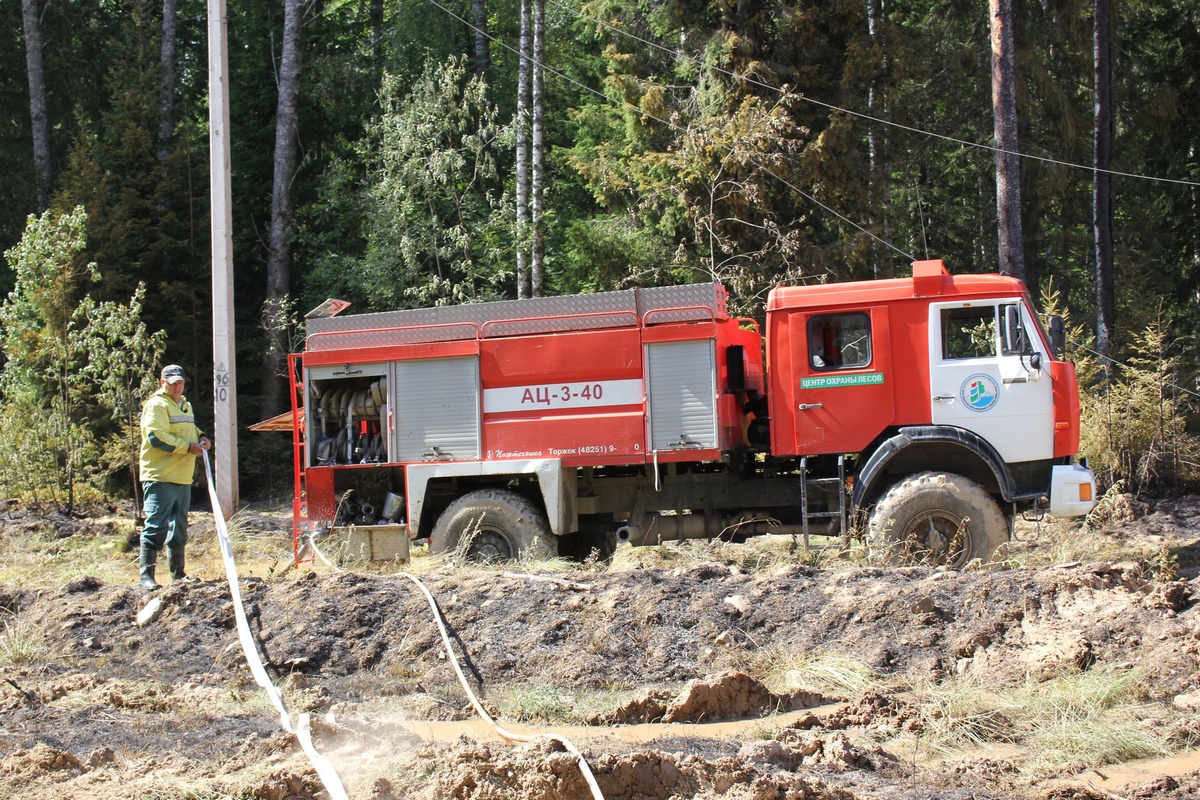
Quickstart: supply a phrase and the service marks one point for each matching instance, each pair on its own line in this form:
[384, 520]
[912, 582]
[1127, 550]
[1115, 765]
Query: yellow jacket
[168, 431]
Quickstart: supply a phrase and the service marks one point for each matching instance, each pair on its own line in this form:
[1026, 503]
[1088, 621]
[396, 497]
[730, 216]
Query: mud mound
[40, 764]
[879, 711]
[543, 772]
[733, 695]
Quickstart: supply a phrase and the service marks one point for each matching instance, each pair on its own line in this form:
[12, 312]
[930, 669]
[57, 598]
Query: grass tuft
[22, 642]
[783, 670]
[1090, 716]
[1093, 717]
[538, 704]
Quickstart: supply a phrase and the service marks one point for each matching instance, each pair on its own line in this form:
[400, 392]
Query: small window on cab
[839, 341]
[969, 332]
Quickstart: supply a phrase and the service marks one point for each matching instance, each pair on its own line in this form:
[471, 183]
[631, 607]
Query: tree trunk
[522, 233]
[538, 245]
[377, 37]
[166, 90]
[37, 103]
[483, 50]
[1008, 163]
[878, 189]
[283, 206]
[1102, 179]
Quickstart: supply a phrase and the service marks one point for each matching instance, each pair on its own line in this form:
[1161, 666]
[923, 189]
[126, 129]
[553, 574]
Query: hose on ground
[566, 743]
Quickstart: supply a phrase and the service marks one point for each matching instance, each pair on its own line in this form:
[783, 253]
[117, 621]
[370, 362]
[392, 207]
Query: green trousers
[166, 506]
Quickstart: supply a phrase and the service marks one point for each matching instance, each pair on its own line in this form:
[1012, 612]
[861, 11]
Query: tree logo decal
[979, 392]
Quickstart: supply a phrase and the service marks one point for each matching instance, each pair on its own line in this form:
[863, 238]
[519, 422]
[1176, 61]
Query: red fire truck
[934, 407]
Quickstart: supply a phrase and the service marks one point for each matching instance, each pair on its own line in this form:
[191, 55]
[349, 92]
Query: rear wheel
[493, 525]
[936, 518]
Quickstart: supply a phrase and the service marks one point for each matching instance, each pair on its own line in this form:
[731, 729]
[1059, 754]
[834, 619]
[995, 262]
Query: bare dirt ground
[716, 671]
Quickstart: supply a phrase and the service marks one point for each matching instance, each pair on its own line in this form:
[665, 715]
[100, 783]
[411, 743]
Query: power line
[898, 125]
[1115, 362]
[673, 126]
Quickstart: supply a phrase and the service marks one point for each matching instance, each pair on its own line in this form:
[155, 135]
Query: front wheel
[936, 518]
[493, 525]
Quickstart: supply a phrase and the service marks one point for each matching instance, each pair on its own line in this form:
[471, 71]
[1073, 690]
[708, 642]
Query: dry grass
[825, 673]
[1092, 716]
[22, 642]
[1053, 541]
[759, 555]
[546, 704]
[1095, 717]
[47, 558]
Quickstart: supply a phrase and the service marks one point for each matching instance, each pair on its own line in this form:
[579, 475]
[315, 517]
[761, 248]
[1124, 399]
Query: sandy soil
[169, 709]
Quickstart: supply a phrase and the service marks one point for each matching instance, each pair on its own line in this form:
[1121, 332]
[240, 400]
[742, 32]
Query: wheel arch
[556, 487]
[916, 449]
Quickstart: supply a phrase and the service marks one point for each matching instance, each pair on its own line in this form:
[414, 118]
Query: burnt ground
[111, 709]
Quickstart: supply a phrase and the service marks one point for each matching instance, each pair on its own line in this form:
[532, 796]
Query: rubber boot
[147, 562]
[175, 561]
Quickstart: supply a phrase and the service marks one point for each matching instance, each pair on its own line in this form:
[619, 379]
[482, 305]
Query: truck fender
[557, 485]
[876, 465]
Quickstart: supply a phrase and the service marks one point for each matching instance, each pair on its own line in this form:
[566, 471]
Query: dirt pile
[760, 771]
[733, 695]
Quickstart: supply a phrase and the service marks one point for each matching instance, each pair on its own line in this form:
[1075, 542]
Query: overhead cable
[868, 117]
[673, 126]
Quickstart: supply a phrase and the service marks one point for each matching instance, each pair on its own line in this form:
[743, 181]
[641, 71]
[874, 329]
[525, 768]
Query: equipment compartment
[347, 415]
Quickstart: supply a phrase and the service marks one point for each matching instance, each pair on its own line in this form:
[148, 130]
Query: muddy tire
[493, 525]
[935, 518]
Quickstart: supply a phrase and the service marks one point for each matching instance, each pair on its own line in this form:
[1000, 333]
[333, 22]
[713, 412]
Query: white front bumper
[1072, 490]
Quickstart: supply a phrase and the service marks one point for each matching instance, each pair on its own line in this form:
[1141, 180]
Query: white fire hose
[584, 768]
[300, 729]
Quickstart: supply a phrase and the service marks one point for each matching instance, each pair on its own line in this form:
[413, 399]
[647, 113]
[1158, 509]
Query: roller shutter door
[681, 388]
[436, 405]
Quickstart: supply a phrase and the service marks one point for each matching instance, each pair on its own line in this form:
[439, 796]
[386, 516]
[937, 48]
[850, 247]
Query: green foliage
[35, 319]
[1133, 419]
[431, 197]
[72, 363]
[124, 355]
[1135, 422]
[41, 376]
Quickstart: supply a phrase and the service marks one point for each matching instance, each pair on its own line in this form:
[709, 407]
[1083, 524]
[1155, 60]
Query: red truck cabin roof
[926, 283]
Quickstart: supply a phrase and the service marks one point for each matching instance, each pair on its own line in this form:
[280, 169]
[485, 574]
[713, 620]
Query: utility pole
[221, 192]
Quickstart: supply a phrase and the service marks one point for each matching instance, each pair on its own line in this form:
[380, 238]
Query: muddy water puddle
[1142, 771]
[438, 731]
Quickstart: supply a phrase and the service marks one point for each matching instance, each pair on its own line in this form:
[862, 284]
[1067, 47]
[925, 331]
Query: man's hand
[196, 448]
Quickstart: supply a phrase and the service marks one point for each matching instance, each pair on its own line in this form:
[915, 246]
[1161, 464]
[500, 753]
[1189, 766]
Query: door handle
[810, 406]
[943, 397]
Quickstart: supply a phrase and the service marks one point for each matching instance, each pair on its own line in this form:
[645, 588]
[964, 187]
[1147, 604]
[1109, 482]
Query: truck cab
[934, 373]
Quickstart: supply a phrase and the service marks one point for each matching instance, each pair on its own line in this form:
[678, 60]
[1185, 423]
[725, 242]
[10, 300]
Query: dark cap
[173, 373]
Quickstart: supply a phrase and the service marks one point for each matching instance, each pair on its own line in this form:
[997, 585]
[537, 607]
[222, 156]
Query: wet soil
[168, 709]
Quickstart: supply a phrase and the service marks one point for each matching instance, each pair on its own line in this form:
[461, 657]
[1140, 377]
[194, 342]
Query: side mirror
[1013, 330]
[1058, 337]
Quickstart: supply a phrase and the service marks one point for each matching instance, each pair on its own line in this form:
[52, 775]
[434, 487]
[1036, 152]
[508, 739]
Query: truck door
[981, 381]
[845, 392]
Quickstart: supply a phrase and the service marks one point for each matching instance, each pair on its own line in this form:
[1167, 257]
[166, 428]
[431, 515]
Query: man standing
[170, 443]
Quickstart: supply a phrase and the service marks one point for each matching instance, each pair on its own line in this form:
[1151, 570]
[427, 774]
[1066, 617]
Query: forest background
[748, 142]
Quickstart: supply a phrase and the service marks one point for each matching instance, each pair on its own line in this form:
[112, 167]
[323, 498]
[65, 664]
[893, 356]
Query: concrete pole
[224, 372]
